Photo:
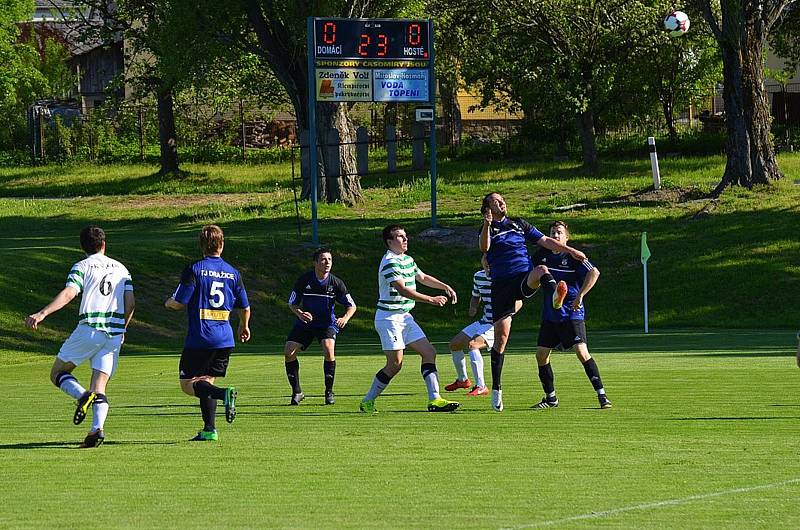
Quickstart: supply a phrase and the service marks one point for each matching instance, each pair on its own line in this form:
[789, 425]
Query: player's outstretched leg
[379, 383]
[93, 439]
[329, 369]
[460, 364]
[230, 404]
[435, 401]
[560, 294]
[549, 401]
[593, 373]
[84, 402]
[293, 375]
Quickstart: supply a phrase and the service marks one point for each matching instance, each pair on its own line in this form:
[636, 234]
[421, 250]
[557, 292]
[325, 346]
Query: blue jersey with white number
[210, 289]
[508, 254]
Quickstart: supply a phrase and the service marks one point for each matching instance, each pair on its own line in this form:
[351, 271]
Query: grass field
[703, 434]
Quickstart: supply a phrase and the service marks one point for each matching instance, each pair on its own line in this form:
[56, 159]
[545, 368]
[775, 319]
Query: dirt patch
[461, 236]
[677, 195]
[183, 201]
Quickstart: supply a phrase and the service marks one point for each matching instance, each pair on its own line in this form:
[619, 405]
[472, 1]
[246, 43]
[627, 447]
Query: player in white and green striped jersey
[398, 275]
[107, 304]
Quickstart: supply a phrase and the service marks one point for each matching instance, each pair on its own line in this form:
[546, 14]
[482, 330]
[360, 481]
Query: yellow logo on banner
[214, 314]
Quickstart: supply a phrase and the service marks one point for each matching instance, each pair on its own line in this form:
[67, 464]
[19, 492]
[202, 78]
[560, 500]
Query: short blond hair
[211, 238]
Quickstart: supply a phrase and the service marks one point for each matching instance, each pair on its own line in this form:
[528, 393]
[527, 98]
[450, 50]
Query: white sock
[99, 413]
[477, 367]
[72, 387]
[375, 390]
[432, 382]
[461, 364]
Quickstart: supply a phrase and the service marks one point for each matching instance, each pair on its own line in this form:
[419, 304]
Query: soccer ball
[677, 23]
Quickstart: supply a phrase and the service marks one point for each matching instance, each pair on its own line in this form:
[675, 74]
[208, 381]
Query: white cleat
[497, 400]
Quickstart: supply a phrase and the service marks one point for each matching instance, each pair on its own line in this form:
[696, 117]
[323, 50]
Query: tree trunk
[167, 137]
[346, 186]
[669, 117]
[451, 109]
[750, 155]
[588, 145]
[291, 69]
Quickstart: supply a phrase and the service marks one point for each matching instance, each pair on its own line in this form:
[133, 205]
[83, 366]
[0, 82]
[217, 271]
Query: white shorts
[87, 343]
[396, 330]
[479, 329]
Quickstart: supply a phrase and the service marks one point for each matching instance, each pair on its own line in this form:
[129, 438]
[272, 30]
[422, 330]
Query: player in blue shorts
[210, 289]
[514, 277]
[312, 301]
[565, 326]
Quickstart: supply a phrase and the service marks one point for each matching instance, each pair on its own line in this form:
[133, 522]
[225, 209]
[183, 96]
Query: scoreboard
[348, 38]
[359, 59]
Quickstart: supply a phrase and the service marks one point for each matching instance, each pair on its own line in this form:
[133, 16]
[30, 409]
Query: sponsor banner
[400, 85]
[343, 84]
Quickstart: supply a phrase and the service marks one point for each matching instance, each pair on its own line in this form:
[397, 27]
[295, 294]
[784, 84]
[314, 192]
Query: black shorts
[303, 335]
[196, 362]
[567, 333]
[506, 292]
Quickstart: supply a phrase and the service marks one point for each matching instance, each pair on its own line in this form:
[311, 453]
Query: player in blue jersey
[210, 289]
[312, 301]
[565, 326]
[514, 277]
[106, 309]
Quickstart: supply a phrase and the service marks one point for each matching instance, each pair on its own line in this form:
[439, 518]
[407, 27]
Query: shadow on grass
[738, 418]
[74, 444]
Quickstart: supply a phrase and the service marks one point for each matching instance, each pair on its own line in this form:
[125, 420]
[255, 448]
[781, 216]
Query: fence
[246, 131]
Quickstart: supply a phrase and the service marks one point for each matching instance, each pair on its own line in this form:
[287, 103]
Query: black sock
[427, 369]
[208, 408]
[204, 389]
[548, 283]
[497, 368]
[547, 378]
[593, 373]
[329, 368]
[293, 374]
[383, 377]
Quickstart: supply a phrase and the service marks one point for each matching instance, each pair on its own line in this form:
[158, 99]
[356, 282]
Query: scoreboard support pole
[432, 92]
[313, 168]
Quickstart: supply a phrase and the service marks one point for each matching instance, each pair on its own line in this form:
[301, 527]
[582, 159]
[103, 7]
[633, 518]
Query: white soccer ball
[677, 23]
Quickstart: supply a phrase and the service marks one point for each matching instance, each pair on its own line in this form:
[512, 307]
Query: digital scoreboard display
[380, 39]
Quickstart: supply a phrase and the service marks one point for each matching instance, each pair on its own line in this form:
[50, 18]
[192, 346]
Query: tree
[741, 28]
[275, 30]
[679, 71]
[20, 79]
[559, 57]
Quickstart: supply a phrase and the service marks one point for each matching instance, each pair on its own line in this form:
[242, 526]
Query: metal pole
[646, 322]
[654, 163]
[312, 128]
[433, 125]
[244, 130]
[141, 134]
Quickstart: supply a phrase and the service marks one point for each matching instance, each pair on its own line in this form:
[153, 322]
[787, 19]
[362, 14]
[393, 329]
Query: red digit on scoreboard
[414, 34]
[329, 33]
[383, 45]
[363, 47]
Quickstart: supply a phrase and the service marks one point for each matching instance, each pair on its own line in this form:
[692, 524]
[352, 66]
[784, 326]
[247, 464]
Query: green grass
[702, 435]
[733, 269]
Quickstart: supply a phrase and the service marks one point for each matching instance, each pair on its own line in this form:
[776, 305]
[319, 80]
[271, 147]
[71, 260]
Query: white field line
[651, 505]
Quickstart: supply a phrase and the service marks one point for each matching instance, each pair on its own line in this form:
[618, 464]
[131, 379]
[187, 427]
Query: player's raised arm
[551, 244]
[434, 283]
[61, 299]
[586, 286]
